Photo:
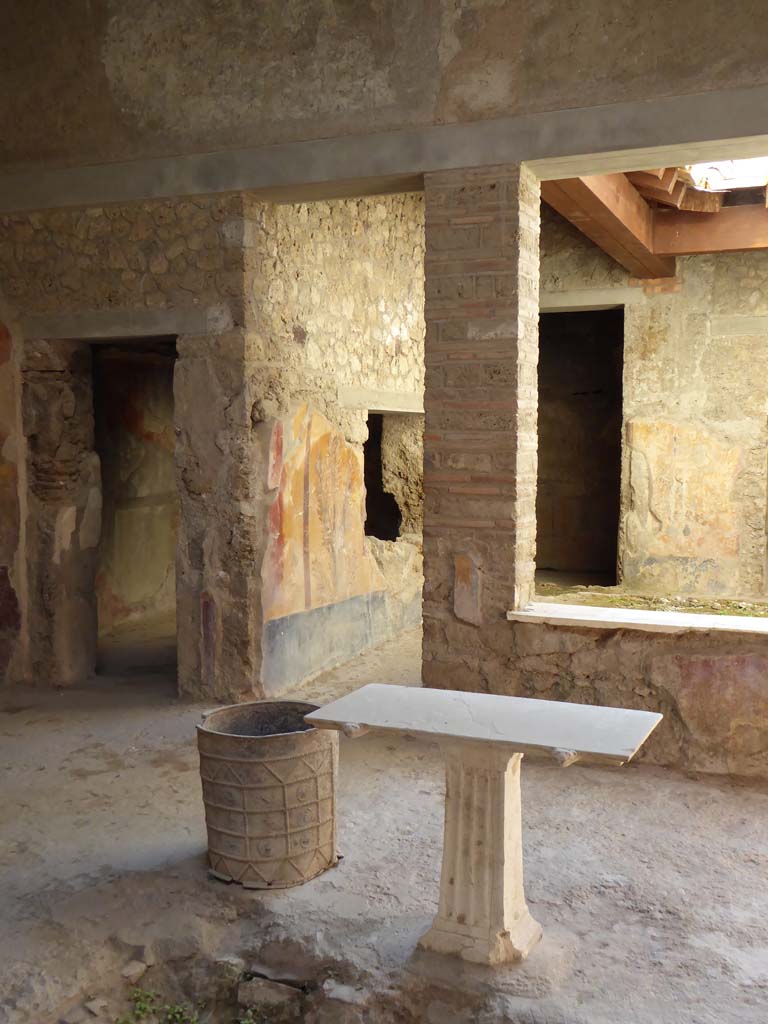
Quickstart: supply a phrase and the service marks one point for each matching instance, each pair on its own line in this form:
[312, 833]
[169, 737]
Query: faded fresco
[316, 553]
[133, 397]
[685, 505]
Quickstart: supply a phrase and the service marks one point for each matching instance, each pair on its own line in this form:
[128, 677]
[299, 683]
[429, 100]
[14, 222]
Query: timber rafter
[644, 219]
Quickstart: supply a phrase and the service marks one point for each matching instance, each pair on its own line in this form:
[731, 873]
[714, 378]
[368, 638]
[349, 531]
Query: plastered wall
[335, 299]
[155, 79]
[694, 474]
[295, 302]
[133, 399]
[693, 507]
[186, 259]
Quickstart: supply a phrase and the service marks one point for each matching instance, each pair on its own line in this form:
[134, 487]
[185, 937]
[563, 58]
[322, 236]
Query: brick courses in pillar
[482, 272]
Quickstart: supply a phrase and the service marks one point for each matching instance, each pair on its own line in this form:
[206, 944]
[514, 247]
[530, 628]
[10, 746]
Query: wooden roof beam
[699, 201]
[613, 214]
[665, 180]
[659, 195]
[733, 229]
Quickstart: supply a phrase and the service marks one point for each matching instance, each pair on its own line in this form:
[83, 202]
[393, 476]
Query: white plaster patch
[90, 527]
[65, 527]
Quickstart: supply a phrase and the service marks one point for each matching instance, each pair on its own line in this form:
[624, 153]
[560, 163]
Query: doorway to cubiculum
[579, 428]
[102, 509]
[135, 578]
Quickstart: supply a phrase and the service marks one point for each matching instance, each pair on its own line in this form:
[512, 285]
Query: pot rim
[202, 728]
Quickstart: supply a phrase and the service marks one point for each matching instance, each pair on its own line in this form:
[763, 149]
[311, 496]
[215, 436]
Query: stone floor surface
[650, 886]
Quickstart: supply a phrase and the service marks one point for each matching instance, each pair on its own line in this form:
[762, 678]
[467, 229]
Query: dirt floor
[650, 885]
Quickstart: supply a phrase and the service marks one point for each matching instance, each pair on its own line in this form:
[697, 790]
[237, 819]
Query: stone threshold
[593, 617]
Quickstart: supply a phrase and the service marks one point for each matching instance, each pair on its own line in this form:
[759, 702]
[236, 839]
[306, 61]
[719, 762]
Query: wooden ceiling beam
[733, 229]
[665, 180]
[613, 214]
[698, 201]
[660, 195]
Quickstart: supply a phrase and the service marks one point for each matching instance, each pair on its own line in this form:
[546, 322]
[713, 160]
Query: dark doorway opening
[383, 517]
[579, 476]
[136, 568]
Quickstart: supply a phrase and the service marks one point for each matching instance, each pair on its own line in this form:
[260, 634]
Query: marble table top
[570, 732]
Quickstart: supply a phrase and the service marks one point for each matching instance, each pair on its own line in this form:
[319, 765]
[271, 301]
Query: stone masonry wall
[402, 464]
[298, 300]
[63, 506]
[157, 255]
[693, 508]
[694, 478]
[690, 352]
[335, 299]
[184, 257]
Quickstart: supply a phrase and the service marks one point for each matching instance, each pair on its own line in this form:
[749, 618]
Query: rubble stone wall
[693, 510]
[710, 687]
[179, 256]
[299, 300]
[694, 478]
[402, 463]
[334, 299]
[338, 289]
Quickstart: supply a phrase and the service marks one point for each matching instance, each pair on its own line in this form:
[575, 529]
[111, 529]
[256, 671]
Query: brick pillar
[482, 308]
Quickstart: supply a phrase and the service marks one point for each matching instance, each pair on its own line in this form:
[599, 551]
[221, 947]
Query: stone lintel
[376, 400]
[126, 323]
[574, 299]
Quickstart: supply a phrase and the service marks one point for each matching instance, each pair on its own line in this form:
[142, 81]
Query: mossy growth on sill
[618, 597]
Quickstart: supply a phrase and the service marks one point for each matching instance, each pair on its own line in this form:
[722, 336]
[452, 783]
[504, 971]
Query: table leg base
[492, 949]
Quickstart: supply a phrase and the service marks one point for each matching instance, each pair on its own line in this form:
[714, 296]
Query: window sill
[591, 617]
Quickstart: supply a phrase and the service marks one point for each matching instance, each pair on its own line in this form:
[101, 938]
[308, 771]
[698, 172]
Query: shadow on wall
[383, 517]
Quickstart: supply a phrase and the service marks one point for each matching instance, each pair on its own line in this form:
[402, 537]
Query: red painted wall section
[316, 554]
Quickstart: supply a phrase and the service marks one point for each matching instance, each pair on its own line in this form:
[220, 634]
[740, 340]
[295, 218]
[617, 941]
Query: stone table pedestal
[482, 915]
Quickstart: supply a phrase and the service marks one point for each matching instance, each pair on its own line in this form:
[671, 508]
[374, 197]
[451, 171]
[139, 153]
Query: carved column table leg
[483, 916]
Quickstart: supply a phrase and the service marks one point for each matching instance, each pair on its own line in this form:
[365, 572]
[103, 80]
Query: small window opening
[383, 517]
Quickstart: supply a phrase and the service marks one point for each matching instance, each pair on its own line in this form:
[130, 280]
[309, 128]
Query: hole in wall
[383, 517]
